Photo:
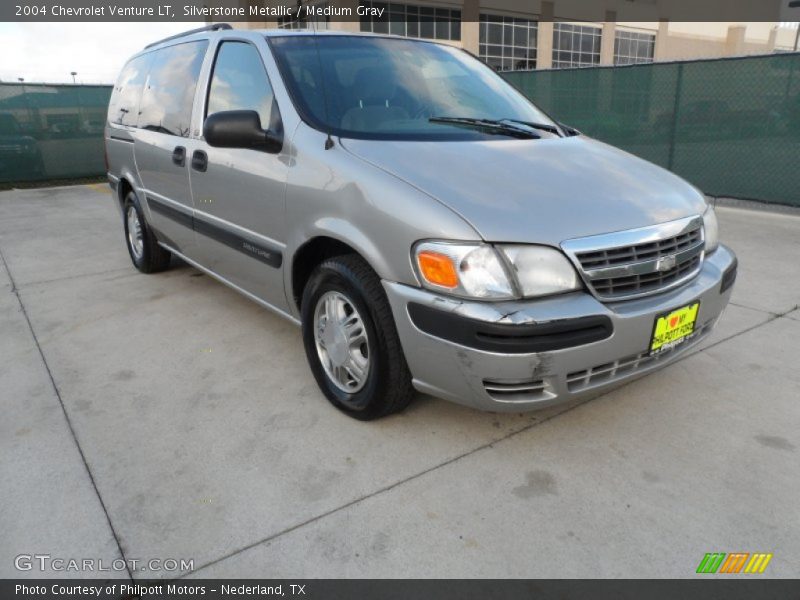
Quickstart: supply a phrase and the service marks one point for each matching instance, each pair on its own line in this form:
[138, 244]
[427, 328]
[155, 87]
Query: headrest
[374, 85]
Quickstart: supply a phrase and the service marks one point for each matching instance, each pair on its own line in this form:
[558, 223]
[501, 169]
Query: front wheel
[351, 340]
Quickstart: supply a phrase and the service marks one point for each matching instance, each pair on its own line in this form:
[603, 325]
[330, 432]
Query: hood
[537, 191]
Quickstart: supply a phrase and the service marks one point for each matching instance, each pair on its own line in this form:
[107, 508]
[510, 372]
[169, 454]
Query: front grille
[609, 287]
[640, 262]
[517, 391]
[618, 369]
[640, 252]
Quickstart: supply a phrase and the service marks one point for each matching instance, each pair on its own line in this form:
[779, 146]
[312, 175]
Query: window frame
[419, 13]
[276, 120]
[573, 64]
[486, 19]
[315, 23]
[634, 36]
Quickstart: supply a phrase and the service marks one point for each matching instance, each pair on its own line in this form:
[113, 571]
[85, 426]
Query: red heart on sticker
[673, 321]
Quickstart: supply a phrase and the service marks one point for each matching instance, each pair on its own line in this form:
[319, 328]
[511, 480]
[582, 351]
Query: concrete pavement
[166, 416]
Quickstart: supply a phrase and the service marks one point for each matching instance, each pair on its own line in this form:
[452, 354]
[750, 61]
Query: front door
[239, 193]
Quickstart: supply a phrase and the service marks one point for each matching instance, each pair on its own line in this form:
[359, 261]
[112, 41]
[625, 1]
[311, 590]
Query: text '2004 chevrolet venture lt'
[428, 226]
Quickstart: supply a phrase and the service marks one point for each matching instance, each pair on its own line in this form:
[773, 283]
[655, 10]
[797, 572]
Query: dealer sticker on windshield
[674, 328]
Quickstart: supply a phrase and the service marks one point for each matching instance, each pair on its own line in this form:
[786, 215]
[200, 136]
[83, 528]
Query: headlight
[711, 228]
[472, 270]
[541, 270]
[479, 271]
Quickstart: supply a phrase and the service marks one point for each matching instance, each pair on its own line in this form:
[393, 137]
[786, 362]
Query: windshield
[388, 88]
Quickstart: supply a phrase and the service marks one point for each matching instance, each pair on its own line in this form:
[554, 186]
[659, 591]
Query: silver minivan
[428, 226]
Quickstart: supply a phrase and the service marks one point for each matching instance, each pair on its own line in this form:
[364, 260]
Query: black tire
[387, 388]
[153, 257]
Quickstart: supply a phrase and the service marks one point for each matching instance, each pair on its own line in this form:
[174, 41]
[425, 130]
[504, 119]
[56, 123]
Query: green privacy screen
[51, 131]
[730, 126]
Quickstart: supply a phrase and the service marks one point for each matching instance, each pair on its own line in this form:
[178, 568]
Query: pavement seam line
[772, 317]
[487, 445]
[76, 276]
[765, 311]
[15, 291]
[386, 488]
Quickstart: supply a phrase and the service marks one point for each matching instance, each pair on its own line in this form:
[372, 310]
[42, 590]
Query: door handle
[199, 160]
[179, 156]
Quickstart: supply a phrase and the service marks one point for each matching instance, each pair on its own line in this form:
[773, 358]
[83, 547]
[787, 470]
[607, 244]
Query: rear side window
[123, 108]
[239, 82]
[169, 92]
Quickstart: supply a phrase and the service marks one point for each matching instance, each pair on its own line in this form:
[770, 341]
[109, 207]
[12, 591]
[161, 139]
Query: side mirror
[240, 129]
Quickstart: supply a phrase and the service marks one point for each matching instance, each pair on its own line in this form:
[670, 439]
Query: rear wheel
[145, 253]
[351, 340]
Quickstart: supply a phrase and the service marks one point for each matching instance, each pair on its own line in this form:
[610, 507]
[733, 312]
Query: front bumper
[565, 364]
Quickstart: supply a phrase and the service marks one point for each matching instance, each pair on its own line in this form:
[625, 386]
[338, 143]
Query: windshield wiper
[500, 126]
[542, 126]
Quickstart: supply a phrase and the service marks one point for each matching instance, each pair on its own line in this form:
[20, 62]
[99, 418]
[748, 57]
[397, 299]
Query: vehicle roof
[224, 33]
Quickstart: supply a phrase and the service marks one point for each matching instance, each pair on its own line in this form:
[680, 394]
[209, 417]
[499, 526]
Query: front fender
[335, 194]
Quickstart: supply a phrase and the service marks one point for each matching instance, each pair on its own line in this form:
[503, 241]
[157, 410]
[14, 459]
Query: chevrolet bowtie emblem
[665, 263]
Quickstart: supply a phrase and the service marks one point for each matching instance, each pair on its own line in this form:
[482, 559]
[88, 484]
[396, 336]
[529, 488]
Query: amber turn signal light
[437, 269]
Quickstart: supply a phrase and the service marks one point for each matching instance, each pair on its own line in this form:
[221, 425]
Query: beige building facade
[542, 34]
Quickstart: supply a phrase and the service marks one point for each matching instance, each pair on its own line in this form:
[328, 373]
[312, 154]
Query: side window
[239, 82]
[123, 108]
[169, 92]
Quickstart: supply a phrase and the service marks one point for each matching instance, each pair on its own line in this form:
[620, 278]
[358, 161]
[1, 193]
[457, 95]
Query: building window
[508, 43]
[785, 43]
[410, 20]
[632, 47]
[319, 23]
[575, 45]
[305, 22]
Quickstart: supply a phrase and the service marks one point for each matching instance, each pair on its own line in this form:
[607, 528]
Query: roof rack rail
[214, 27]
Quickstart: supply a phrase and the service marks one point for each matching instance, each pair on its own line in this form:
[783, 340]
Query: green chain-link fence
[51, 131]
[729, 126]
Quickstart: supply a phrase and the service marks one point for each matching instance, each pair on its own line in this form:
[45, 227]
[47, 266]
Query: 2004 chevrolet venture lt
[427, 225]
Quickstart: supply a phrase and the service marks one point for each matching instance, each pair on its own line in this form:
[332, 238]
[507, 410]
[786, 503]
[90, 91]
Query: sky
[48, 52]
